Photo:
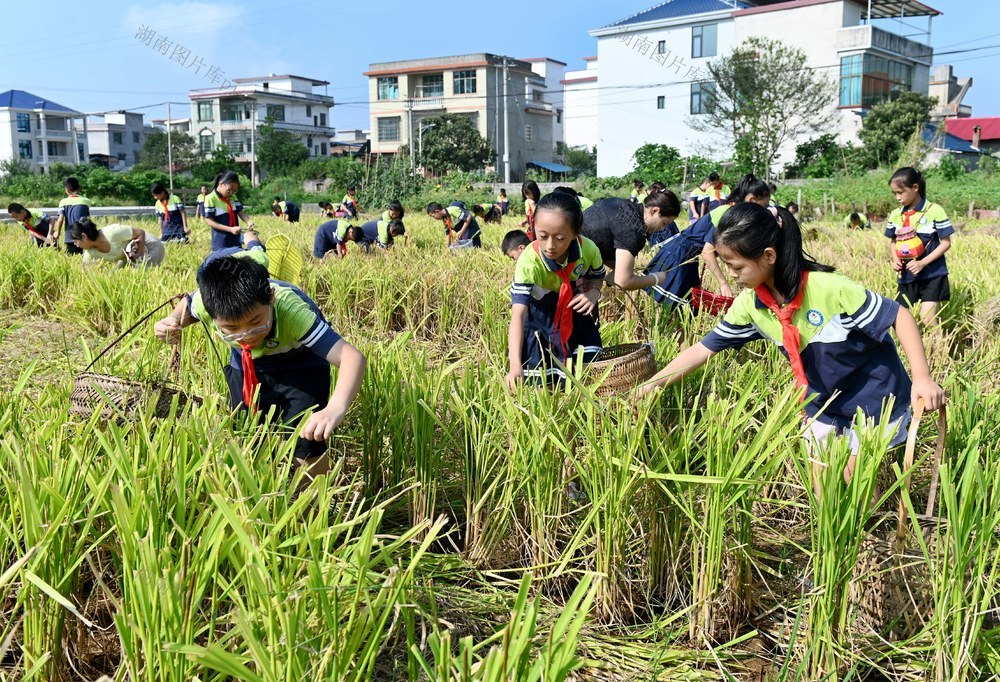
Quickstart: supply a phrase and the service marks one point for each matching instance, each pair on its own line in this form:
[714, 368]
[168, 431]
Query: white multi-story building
[115, 140]
[231, 116]
[655, 75]
[551, 72]
[39, 131]
[580, 105]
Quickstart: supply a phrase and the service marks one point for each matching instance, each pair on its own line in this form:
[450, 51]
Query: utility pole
[409, 132]
[170, 152]
[496, 121]
[506, 137]
[253, 142]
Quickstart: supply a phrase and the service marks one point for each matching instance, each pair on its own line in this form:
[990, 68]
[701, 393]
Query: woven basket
[892, 583]
[711, 303]
[622, 368]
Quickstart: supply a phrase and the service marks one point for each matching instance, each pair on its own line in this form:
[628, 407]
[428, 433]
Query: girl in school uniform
[531, 194]
[170, 211]
[675, 265]
[921, 234]
[502, 201]
[557, 284]
[223, 212]
[833, 331]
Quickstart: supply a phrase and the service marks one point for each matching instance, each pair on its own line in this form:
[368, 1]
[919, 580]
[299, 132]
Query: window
[388, 129]
[558, 115]
[703, 40]
[661, 102]
[322, 148]
[322, 120]
[135, 138]
[465, 82]
[276, 112]
[661, 47]
[24, 124]
[528, 133]
[431, 86]
[309, 110]
[204, 111]
[867, 80]
[233, 112]
[40, 148]
[205, 143]
[388, 88]
[116, 138]
[79, 148]
[700, 94]
[235, 140]
[57, 149]
[24, 148]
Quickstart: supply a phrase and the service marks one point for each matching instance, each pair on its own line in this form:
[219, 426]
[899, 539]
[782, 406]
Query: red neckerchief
[906, 216]
[166, 212]
[718, 187]
[790, 338]
[232, 214]
[563, 323]
[447, 224]
[31, 229]
[250, 382]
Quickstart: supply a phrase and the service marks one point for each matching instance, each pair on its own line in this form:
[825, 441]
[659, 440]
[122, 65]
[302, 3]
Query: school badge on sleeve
[814, 317]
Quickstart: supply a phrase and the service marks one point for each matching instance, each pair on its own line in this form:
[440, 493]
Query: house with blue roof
[654, 78]
[39, 131]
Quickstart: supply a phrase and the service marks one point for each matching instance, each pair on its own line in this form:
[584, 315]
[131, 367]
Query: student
[281, 349]
[460, 226]
[223, 211]
[170, 213]
[286, 210]
[199, 209]
[349, 204]
[502, 201]
[657, 187]
[774, 194]
[119, 244]
[717, 193]
[395, 211]
[380, 233]
[621, 228]
[333, 235]
[696, 210]
[34, 222]
[531, 194]
[675, 266]
[833, 331]
[326, 209]
[514, 243]
[557, 284]
[857, 221]
[638, 194]
[488, 213]
[585, 203]
[793, 208]
[920, 234]
[71, 209]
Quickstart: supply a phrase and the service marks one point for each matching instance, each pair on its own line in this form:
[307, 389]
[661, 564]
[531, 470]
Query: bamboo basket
[121, 400]
[891, 587]
[622, 368]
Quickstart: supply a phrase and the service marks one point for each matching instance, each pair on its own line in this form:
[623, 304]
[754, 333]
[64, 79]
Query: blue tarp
[553, 167]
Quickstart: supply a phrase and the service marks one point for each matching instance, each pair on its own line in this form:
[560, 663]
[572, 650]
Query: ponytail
[225, 177]
[666, 201]
[749, 229]
[750, 184]
[908, 177]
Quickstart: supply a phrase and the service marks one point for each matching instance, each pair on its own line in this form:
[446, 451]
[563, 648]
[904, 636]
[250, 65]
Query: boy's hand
[321, 424]
[168, 330]
[585, 302]
[915, 266]
[514, 377]
[932, 394]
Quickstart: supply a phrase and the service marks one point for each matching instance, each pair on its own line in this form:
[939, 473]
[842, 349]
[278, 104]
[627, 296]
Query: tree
[453, 143]
[765, 96]
[222, 159]
[889, 126]
[279, 151]
[580, 159]
[657, 163]
[184, 151]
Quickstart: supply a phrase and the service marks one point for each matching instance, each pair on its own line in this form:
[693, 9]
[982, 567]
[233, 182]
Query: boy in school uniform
[857, 221]
[281, 349]
[460, 226]
[332, 236]
[286, 210]
[34, 222]
[349, 204]
[489, 213]
[514, 243]
[170, 212]
[378, 233]
[72, 209]
[199, 208]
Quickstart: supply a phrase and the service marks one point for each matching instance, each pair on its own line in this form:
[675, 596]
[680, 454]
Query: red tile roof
[962, 127]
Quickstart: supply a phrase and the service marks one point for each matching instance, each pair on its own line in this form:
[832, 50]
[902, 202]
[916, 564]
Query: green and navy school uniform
[170, 212]
[375, 233]
[217, 209]
[694, 203]
[863, 224]
[536, 285]
[931, 224]
[37, 225]
[199, 208]
[329, 236]
[849, 356]
[290, 363]
[491, 212]
[678, 258]
[715, 199]
[73, 208]
[503, 202]
[253, 250]
[351, 205]
[662, 236]
[291, 209]
[458, 214]
[585, 203]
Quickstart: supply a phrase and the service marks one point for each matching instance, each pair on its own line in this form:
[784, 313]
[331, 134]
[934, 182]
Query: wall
[580, 112]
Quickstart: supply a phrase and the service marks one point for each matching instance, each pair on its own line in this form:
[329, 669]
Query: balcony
[305, 128]
[234, 124]
[425, 103]
[54, 135]
[858, 38]
[538, 106]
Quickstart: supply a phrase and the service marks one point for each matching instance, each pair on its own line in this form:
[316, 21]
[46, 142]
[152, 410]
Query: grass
[466, 533]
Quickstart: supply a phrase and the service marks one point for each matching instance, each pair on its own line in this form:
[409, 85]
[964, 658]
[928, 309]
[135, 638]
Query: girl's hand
[321, 424]
[897, 264]
[726, 290]
[585, 302]
[168, 330]
[514, 377]
[930, 392]
[915, 266]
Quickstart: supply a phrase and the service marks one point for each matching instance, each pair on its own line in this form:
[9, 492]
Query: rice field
[469, 534]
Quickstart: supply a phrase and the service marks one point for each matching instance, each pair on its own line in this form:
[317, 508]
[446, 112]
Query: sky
[94, 57]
